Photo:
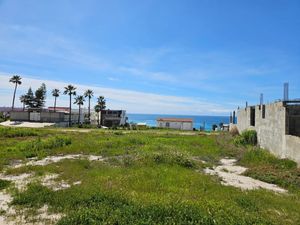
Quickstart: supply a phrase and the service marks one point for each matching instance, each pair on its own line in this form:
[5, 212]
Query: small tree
[55, 94]
[89, 93]
[79, 100]
[23, 100]
[40, 96]
[29, 98]
[70, 90]
[17, 81]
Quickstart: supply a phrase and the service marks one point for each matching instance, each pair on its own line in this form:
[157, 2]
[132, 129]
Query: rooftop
[175, 120]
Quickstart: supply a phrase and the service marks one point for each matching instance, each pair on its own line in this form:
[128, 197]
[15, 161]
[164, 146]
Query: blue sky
[181, 57]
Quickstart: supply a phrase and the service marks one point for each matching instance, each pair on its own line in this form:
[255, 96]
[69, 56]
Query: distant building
[141, 125]
[113, 117]
[110, 118]
[60, 118]
[59, 109]
[175, 123]
[277, 126]
[8, 109]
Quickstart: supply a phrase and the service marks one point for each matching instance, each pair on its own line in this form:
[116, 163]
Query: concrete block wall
[243, 119]
[292, 148]
[52, 117]
[19, 116]
[271, 130]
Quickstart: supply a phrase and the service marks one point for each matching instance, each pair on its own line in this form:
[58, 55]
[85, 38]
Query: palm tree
[23, 100]
[89, 93]
[55, 94]
[79, 100]
[101, 102]
[97, 110]
[17, 81]
[70, 90]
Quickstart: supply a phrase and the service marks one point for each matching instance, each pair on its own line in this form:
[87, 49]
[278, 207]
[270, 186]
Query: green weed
[17, 132]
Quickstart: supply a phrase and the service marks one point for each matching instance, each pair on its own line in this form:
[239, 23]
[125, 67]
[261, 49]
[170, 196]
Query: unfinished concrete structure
[277, 126]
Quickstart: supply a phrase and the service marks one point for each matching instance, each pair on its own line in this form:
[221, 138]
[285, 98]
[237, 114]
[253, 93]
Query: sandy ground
[50, 182]
[25, 124]
[55, 159]
[80, 130]
[231, 175]
[11, 217]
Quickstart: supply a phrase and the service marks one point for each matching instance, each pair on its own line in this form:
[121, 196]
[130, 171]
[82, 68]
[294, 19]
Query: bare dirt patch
[55, 159]
[50, 181]
[9, 216]
[25, 124]
[231, 175]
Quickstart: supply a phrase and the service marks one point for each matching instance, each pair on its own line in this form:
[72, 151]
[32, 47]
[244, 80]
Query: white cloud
[132, 101]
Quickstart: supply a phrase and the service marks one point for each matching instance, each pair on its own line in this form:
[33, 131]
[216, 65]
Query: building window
[167, 124]
[263, 111]
[252, 116]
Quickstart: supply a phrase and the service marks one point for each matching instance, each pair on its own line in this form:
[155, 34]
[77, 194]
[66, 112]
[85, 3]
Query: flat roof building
[175, 123]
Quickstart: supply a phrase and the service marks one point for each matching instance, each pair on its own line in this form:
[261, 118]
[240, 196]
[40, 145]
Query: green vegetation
[248, 137]
[266, 167]
[152, 177]
[4, 184]
[2, 118]
[17, 132]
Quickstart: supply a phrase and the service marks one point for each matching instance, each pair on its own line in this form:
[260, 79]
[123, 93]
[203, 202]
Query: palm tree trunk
[79, 116]
[70, 111]
[23, 106]
[89, 110]
[55, 104]
[101, 117]
[13, 102]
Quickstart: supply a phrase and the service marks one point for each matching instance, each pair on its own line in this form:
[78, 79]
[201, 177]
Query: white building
[175, 123]
[109, 118]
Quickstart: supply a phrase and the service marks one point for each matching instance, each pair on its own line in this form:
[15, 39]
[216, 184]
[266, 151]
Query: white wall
[176, 125]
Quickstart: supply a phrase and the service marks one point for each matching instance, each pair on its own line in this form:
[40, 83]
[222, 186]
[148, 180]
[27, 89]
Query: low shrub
[4, 184]
[118, 133]
[248, 137]
[234, 130]
[175, 158]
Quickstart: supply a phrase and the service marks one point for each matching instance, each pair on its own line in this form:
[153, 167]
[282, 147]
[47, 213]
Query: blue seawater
[150, 119]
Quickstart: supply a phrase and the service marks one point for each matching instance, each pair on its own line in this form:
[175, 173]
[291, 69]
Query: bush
[234, 130]
[4, 184]
[173, 158]
[248, 137]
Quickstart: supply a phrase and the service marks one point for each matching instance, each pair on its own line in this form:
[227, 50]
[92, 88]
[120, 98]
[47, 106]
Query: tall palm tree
[97, 110]
[79, 100]
[17, 81]
[70, 90]
[55, 94]
[89, 93]
[23, 100]
[101, 102]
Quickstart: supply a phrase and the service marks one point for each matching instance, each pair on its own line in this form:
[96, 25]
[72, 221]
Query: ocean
[206, 121]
